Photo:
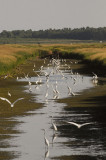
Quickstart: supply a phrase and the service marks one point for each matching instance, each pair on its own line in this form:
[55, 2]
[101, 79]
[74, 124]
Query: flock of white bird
[55, 69]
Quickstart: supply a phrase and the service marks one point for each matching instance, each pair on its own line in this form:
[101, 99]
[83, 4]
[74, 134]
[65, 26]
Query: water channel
[69, 142]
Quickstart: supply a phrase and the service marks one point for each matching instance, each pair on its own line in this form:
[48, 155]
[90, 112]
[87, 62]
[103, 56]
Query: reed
[95, 53]
[12, 55]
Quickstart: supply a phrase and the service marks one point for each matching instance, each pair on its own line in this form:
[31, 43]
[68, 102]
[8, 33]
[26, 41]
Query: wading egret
[46, 140]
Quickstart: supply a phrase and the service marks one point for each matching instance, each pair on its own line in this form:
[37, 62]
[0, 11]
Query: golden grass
[9, 53]
[100, 56]
[93, 54]
[13, 55]
[89, 51]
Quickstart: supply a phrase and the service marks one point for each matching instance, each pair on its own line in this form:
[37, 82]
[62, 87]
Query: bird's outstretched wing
[86, 124]
[73, 123]
[18, 100]
[5, 99]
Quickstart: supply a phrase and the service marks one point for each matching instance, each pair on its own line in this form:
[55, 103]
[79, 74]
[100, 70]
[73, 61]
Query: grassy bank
[11, 55]
[91, 52]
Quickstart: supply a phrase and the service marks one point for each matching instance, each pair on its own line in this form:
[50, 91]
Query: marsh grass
[12, 55]
[93, 54]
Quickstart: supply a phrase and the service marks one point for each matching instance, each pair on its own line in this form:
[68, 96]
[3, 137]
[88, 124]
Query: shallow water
[68, 142]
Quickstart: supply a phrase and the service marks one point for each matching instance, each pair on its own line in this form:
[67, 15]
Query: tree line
[87, 33]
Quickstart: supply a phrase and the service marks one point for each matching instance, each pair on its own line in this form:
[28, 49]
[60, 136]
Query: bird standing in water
[46, 140]
[54, 126]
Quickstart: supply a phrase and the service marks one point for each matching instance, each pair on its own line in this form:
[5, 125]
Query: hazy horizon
[54, 14]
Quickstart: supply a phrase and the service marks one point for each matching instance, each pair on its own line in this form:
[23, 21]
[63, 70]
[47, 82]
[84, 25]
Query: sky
[55, 14]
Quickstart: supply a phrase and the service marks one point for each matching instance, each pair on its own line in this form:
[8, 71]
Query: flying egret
[79, 125]
[11, 104]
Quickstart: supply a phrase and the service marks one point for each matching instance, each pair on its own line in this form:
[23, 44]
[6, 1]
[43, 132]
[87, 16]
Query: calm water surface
[69, 142]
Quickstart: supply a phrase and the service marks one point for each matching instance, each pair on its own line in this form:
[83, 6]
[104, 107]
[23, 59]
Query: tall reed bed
[95, 53]
[12, 55]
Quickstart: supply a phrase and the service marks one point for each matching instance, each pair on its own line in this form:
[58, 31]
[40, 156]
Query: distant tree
[65, 33]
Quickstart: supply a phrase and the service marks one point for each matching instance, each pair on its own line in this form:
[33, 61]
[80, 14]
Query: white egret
[71, 72]
[46, 140]
[55, 96]
[26, 76]
[29, 83]
[54, 126]
[41, 68]
[11, 104]
[9, 94]
[95, 81]
[74, 79]
[54, 91]
[47, 86]
[34, 65]
[73, 94]
[79, 125]
[30, 89]
[5, 76]
[46, 95]
[57, 92]
[69, 90]
[46, 154]
[54, 138]
[36, 82]
[95, 76]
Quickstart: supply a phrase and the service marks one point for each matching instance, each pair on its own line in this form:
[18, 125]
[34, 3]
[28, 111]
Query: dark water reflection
[69, 142]
[88, 140]
[79, 157]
